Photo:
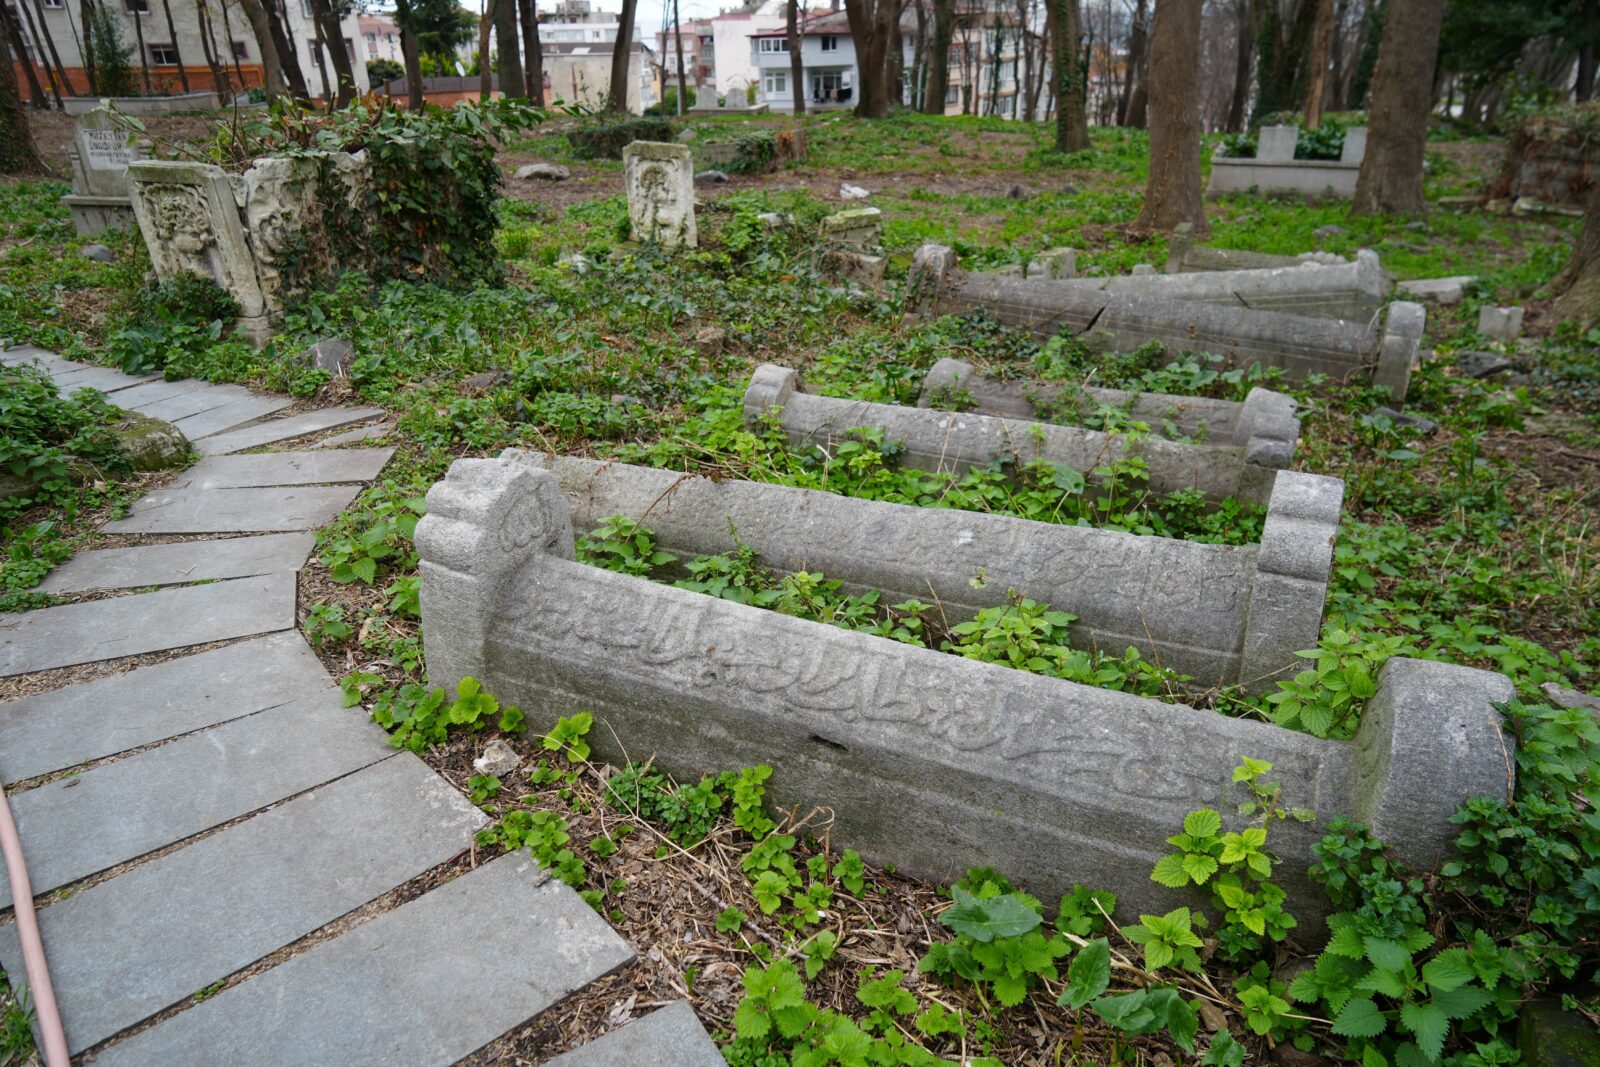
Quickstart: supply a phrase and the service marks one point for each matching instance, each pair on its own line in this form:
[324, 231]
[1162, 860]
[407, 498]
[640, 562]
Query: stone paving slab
[74, 827]
[105, 379]
[266, 510]
[668, 1037]
[285, 468]
[174, 409]
[184, 561]
[227, 416]
[139, 396]
[146, 622]
[356, 436]
[423, 985]
[127, 948]
[30, 354]
[66, 727]
[274, 430]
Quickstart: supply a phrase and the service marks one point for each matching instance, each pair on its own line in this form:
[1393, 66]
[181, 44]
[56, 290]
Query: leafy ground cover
[1475, 543]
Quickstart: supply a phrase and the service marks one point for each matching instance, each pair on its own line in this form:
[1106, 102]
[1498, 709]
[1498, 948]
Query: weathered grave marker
[660, 184]
[101, 150]
[931, 761]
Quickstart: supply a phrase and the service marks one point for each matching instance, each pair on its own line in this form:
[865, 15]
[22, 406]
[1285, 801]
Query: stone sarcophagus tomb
[930, 761]
[1223, 614]
[1383, 352]
[1264, 424]
[957, 441]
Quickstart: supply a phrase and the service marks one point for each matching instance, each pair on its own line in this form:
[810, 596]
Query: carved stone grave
[1224, 615]
[930, 761]
[660, 184]
[102, 148]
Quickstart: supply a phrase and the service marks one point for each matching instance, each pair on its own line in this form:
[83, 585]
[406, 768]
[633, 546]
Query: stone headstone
[860, 228]
[660, 184]
[332, 354]
[1355, 145]
[714, 177]
[105, 148]
[1275, 144]
[1441, 292]
[1500, 324]
[550, 172]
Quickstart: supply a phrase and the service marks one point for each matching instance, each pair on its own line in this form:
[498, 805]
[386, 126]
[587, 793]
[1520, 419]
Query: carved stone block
[660, 184]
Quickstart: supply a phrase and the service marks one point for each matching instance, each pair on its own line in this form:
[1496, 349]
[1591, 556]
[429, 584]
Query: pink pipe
[44, 995]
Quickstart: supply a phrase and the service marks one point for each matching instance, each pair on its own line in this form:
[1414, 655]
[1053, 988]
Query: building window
[138, 7]
[350, 49]
[775, 82]
[52, 4]
[305, 9]
[372, 40]
[163, 55]
[240, 50]
[774, 44]
[830, 44]
[952, 94]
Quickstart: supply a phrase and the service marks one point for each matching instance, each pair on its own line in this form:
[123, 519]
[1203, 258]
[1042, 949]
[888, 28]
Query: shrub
[47, 441]
[606, 140]
[173, 323]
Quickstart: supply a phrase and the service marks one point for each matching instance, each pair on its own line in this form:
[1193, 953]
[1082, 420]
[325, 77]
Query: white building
[734, 64]
[828, 53]
[159, 49]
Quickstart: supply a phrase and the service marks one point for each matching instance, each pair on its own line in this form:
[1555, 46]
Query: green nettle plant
[49, 444]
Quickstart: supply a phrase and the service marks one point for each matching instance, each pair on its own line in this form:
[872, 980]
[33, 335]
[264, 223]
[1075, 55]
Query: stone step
[74, 827]
[285, 468]
[184, 561]
[174, 409]
[227, 416]
[286, 429]
[104, 379]
[66, 727]
[146, 622]
[195, 511]
[127, 948]
[356, 436]
[141, 396]
[668, 1037]
[422, 985]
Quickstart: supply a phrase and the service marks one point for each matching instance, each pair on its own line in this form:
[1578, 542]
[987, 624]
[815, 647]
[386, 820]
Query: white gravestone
[660, 183]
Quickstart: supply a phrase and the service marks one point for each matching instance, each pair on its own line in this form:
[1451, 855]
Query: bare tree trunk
[534, 70]
[18, 153]
[485, 74]
[84, 9]
[318, 45]
[1583, 88]
[208, 47]
[797, 64]
[333, 36]
[869, 29]
[508, 43]
[271, 65]
[936, 87]
[172, 31]
[20, 50]
[227, 32]
[1579, 282]
[621, 53]
[1072, 123]
[47, 55]
[677, 34]
[1333, 99]
[1317, 76]
[410, 54]
[894, 62]
[1138, 41]
[1038, 104]
[1402, 97]
[1245, 42]
[1172, 195]
[288, 58]
[144, 58]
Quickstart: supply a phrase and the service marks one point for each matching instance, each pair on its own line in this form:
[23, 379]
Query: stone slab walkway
[211, 810]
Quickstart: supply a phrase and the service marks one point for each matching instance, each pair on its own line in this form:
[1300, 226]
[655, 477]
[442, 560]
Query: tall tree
[1317, 77]
[53, 70]
[622, 58]
[871, 29]
[13, 34]
[508, 42]
[1579, 283]
[797, 63]
[534, 72]
[328, 17]
[1172, 193]
[936, 86]
[405, 15]
[1244, 29]
[485, 71]
[208, 48]
[177, 55]
[138, 36]
[1138, 41]
[1072, 120]
[1284, 39]
[1589, 40]
[272, 75]
[288, 58]
[1402, 98]
[18, 153]
[227, 35]
[677, 37]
